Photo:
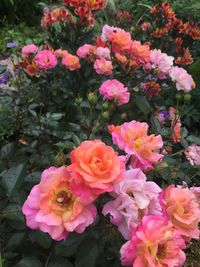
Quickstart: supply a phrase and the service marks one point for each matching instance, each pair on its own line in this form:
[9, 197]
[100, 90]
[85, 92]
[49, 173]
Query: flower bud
[105, 105]
[105, 114]
[78, 101]
[60, 159]
[92, 97]
[187, 98]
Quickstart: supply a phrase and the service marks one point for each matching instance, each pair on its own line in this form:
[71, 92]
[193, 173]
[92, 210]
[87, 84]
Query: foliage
[54, 110]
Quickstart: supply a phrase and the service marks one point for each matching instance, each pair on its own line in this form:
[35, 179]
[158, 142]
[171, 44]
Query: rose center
[64, 199]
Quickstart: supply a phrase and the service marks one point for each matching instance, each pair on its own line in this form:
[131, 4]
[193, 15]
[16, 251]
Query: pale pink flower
[134, 198]
[154, 243]
[71, 62]
[132, 137]
[113, 89]
[161, 61]
[182, 208]
[103, 52]
[56, 207]
[193, 154]
[182, 78]
[103, 66]
[45, 59]
[106, 31]
[85, 50]
[29, 49]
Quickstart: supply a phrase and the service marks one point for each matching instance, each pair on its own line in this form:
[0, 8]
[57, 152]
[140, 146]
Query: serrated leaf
[143, 104]
[13, 178]
[69, 246]
[193, 139]
[87, 253]
[15, 240]
[41, 239]
[29, 262]
[60, 262]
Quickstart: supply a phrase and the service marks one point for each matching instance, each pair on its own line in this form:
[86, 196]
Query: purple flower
[3, 79]
[165, 114]
[12, 44]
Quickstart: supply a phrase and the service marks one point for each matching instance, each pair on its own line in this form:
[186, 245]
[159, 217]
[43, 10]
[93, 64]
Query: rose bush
[110, 119]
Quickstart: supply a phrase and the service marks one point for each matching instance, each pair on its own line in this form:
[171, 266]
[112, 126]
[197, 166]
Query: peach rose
[97, 166]
[182, 208]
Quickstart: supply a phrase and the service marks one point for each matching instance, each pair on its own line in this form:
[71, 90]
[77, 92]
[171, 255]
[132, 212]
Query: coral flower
[184, 81]
[61, 53]
[71, 62]
[154, 243]
[29, 49]
[132, 137]
[134, 198]
[103, 66]
[113, 89]
[120, 40]
[45, 59]
[56, 208]
[193, 154]
[97, 166]
[182, 208]
[141, 52]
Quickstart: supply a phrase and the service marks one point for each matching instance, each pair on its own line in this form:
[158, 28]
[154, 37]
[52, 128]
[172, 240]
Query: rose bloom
[141, 52]
[45, 59]
[103, 52]
[120, 39]
[134, 198]
[182, 208]
[161, 61]
[97, 166]
[154, 243]
[132, 137]
[61, 53]
[113, 89]
[85, 50]
[71, 62]
[151, 88]
[107, 31]
[193, 154]
[29, 49]
[56, 208]
[103, 66]
[121, 58]
[184, 81]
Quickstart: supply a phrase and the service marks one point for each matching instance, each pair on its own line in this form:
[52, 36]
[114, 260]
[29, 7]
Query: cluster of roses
[85, 9]
[157, 223]
[37, 61]
[56, 15]
[172, 24]
[115, 48]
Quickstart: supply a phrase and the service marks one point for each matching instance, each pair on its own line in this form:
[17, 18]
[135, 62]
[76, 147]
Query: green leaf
[69, 246]
[184, 132]
[7, 150]
[29, 262]
[193, 139]
[42, 239]
[13, 178]
[87, 253]
[60, 262]
[143, 104]
[15, 240]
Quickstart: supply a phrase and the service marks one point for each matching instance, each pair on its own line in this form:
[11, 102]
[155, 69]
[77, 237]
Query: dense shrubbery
[119, 120]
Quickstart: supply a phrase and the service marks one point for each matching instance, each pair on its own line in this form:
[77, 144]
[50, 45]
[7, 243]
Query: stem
[1, 263]
[177, 153]
[195, 175]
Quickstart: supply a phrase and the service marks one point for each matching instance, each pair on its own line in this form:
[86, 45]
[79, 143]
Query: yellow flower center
[65, 199]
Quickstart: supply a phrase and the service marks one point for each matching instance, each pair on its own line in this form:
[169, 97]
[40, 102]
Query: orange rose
[96, 165]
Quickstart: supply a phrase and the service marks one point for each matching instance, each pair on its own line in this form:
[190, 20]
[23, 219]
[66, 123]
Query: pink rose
[57, 208]
[29, 49]
[45, 59]
[103, 66]
[113, 89]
